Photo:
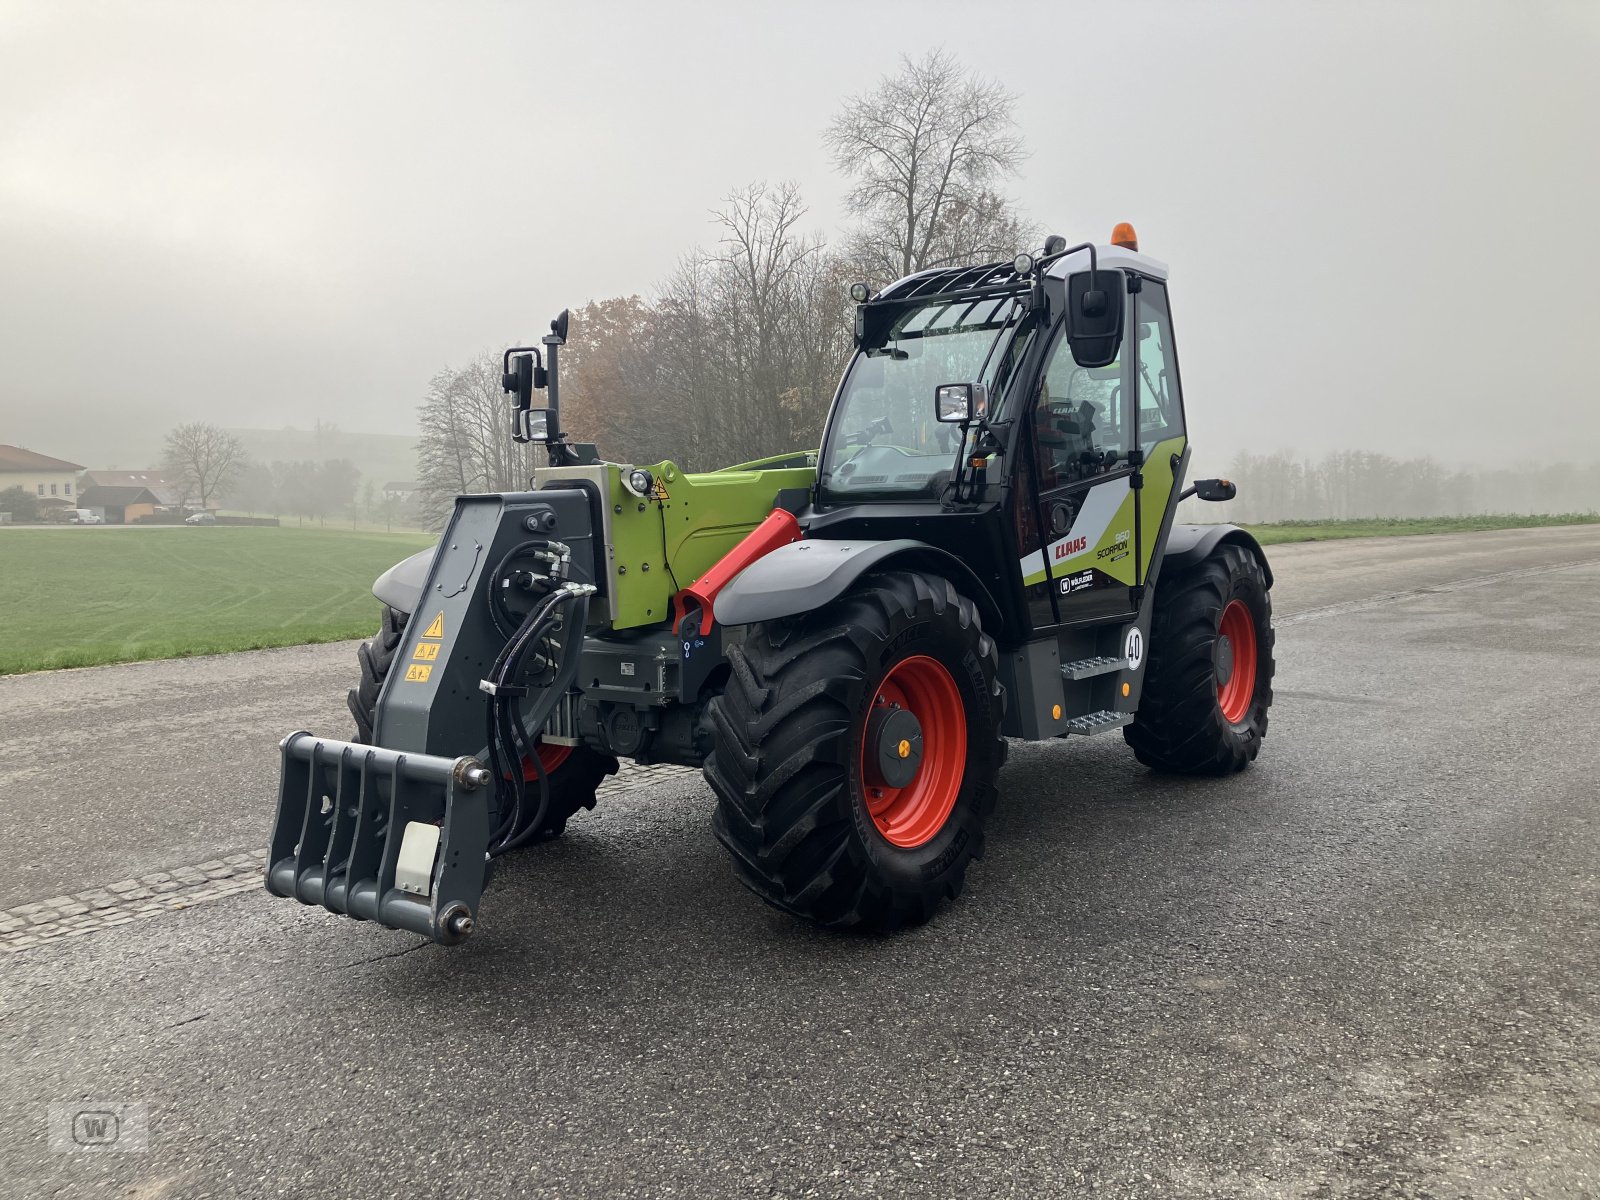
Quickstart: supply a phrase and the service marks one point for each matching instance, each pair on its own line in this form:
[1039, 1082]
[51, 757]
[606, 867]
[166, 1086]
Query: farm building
[52, 481]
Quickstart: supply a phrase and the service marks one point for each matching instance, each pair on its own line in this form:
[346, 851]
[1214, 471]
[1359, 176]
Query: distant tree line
[736, 354]
[1359, 483]
[304, 489]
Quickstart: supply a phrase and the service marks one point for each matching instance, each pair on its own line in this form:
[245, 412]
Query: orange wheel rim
[551, 756]
[913, 814]
[1235, 692]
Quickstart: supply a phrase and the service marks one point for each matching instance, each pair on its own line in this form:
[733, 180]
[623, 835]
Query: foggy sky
[1381, 219]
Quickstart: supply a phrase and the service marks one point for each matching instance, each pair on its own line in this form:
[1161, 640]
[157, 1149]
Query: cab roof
[1108, 256]
[1001, 277]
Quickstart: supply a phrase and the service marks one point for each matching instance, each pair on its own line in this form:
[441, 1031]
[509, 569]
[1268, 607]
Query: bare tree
[466, 443]
[750, 336]
[924, 150]
[203, 460]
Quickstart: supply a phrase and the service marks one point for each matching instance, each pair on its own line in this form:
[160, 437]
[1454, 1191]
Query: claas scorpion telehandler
[983, 548]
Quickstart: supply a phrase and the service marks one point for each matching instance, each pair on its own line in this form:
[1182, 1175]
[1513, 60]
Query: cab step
[1103, 721]
[1088, 668]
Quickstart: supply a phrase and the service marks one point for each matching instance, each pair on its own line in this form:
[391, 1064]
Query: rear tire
[797, 776]
[1197, 714]
[573, 783]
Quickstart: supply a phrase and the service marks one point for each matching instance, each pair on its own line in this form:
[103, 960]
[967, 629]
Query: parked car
[83, 516]
[201, 519]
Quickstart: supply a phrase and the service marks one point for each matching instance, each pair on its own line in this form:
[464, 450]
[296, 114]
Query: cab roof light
[1124, 236]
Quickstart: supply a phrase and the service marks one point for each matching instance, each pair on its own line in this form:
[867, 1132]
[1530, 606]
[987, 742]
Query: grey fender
[1189, 545]
[400, 587]
[803, 576]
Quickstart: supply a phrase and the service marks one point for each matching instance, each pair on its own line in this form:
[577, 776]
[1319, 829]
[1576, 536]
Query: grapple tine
[347, 859]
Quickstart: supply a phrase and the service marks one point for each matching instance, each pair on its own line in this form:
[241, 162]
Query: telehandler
[983, 548]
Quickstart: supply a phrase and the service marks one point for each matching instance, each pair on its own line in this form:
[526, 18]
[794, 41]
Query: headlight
[640, 482]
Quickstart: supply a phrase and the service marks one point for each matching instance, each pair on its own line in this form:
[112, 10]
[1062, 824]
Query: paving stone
[8, 924]
[97, 898]
[21, 943]
[241, 860]
[26, 910]
[167, 885]
[157, 877]
[123, 886]
[43, 918]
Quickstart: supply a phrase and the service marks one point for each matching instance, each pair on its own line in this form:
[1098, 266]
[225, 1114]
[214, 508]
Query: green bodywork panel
[659, 546]
[1108, 551]
[1159, 480]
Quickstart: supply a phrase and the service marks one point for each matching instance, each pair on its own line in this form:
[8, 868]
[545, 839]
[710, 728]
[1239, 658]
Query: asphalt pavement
[1366, 966]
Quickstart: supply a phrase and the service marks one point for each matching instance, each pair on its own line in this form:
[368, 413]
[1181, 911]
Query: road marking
[1456, 585]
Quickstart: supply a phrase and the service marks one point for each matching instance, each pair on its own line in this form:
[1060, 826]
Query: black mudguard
[805, 575]
[1192, 544]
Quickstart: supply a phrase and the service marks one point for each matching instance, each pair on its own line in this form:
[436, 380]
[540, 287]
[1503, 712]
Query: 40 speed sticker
[1133, 648]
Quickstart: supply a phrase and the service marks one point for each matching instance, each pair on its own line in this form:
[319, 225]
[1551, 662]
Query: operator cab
[1026, 417]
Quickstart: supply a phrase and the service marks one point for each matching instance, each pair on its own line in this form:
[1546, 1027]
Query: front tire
[855, 753]
[575, 773]
[1208, 685]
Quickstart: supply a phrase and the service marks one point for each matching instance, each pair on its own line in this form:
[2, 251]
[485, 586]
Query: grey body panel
[1190, 544]
[400, 587]
[805, 575]
[438, 708]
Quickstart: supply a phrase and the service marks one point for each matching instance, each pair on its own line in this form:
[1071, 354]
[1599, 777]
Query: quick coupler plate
[382, 835]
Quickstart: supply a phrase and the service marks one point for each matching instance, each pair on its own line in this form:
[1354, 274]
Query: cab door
[1083, 429]
[1162, 438]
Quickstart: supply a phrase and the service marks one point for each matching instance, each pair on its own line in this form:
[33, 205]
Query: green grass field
[1319, 531]
[81, 597]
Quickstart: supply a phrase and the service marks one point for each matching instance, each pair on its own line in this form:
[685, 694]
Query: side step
[1103, 721]
[1088, 668]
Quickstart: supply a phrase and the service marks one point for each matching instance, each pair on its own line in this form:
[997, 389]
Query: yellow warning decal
[435, 627]
[659, 492]
[426, 651]
[418, 673]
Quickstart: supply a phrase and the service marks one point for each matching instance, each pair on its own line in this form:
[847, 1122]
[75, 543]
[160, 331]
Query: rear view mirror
[1210, 489]
[521, 376]
[954, 403]
[1094, 317]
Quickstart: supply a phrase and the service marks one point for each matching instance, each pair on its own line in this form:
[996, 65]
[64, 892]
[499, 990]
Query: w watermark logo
[98, 1127]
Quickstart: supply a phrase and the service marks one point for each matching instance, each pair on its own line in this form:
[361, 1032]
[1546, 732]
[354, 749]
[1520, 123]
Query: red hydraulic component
[779, 529]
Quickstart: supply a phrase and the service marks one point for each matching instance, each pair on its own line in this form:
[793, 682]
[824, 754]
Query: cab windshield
[884, 440]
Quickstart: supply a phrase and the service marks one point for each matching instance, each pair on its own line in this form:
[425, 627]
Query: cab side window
[1160, 396]
[1080, 422]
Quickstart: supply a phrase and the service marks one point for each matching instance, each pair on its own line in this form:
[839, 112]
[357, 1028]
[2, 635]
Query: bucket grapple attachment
[360, 828]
